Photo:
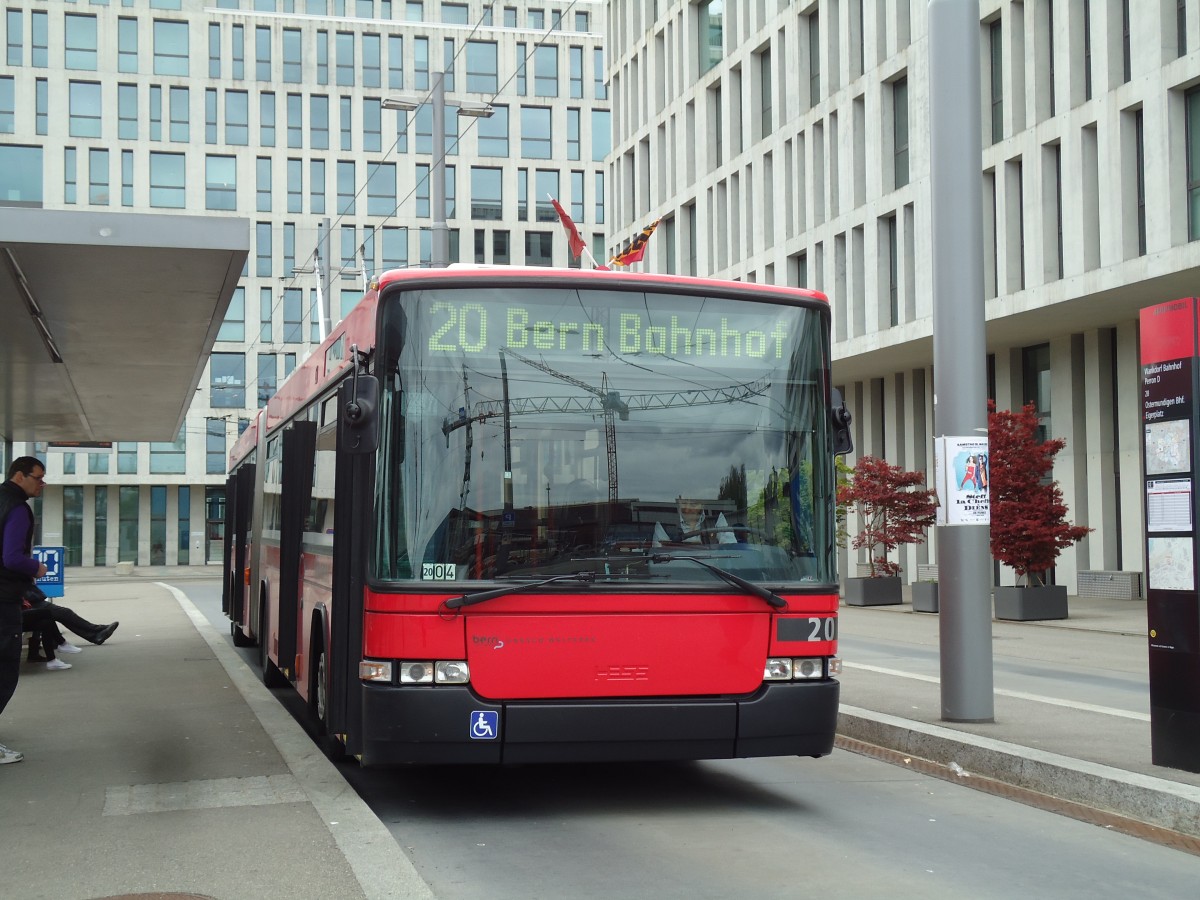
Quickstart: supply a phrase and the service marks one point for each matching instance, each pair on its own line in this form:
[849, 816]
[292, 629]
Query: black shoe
[36, 657]
[105, 633]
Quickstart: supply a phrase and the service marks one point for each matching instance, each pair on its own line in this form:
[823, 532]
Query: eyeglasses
[41, 477]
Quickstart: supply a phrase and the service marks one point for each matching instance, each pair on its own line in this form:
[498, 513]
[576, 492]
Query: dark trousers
[36, 619]
[10, 648]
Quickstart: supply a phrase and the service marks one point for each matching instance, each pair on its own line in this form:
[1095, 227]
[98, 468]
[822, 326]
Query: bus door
[240, 517]
[299, 446]
[228, 583]
[354, 486]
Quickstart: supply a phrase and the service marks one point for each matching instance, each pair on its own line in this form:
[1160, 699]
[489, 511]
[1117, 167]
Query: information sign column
[1170, 420]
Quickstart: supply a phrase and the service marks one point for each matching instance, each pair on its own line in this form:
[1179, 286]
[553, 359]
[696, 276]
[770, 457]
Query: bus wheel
[319, 704]
[239, 636]
[271, 676]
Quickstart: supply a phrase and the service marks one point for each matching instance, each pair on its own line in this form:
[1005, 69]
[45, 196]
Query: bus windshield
[530, 432]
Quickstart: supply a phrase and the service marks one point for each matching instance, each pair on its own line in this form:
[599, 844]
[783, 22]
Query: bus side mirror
[843, 442]
[358, 423]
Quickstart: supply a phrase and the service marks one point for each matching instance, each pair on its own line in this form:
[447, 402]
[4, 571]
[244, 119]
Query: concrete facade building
[273, 110]
[788, 142]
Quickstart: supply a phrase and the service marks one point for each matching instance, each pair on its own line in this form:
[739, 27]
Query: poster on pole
[961, 473]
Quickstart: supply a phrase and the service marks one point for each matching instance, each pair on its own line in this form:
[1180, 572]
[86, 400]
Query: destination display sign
[716, 332]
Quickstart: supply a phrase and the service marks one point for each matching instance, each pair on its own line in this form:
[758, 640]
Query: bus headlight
[812, 667]
[778, 669]
[451, 671]
[416, 672]
[375, 670]
[835, 667]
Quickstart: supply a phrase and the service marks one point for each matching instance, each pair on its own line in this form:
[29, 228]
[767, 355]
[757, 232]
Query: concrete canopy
[108, 319]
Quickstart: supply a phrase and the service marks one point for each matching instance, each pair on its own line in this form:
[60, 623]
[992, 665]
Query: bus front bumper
[445, 724]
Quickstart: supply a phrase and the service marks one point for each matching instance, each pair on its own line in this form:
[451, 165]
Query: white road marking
[1017, 695]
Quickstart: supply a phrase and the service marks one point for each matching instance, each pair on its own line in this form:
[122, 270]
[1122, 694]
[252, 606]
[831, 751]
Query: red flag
[637, 247]
[574, 241]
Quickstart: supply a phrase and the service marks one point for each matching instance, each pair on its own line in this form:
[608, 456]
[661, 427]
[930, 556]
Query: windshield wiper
[482, 596]
[736, 580]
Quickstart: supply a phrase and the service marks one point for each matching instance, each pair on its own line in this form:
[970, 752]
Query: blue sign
[53, 558]
[485, 724]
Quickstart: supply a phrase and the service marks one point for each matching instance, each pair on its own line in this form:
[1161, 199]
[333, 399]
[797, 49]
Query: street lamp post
[440, 251]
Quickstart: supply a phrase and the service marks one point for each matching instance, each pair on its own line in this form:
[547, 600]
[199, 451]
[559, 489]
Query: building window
[482, 67]
[237, 118]
[98, 177]
[996, 71]
[381, 190]
[214, 447]
[41, 106]
[371, 60]
[168, 180]
[214, 50]
[575, 74]
[318, 125]
[1139, 161]
[80, 40]
[227, 380]
[893, 271]
[1126, 59]
[766, 94]
[293, 59]
[295, 185]
[185, 525]
[346, 187]
[493, 133]
[179, 124]
[262, 249]
[814, 58]
[8, 106]
[262, 53]
[220, 182]
[170, 48]
[14, 21]
[539, 248]
[233, 328]
[316, 186]
[169, 457]
[39, 46]
[343, 45]
[709, 28]
[158, 525]
[545, 187]
[127, 457]
[238, 56]
[536, 142]
[599, 89]
[70, 176]
[573, 119]
[130, 503]
[68, 463]
[268, 374]
[266, 119]
[293, 317]
[73, 525]
[395, 61]
[545, 71]
[900, 130]
[85, 116]
[1035, 384]
[1192, 114]
[262, 177]
[127, 178]
[100, 526]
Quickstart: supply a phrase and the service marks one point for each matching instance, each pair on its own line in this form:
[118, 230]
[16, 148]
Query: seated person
[45, 616]
[44, 642]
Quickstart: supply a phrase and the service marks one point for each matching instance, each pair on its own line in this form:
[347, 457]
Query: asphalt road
[843, 826]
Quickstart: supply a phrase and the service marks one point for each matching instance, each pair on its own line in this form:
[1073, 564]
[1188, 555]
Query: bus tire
[317, 694]
[271, 676]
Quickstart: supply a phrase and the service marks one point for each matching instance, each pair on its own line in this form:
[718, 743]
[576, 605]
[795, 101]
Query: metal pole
[437, 176]
[959, 346]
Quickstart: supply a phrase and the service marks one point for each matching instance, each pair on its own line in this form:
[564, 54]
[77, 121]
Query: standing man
[18, 569]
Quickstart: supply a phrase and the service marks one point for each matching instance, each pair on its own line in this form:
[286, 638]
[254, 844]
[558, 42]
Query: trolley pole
[440, 254]
[959, 347]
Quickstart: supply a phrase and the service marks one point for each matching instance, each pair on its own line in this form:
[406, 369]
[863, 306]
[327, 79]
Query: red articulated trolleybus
[530, 515]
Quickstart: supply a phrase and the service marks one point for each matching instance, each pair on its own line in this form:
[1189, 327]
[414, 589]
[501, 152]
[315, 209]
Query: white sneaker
[64, 647]
[56, 664]
[8, 755]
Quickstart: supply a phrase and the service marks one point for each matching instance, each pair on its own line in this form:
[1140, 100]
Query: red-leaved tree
[1029, 519]
[894, 505]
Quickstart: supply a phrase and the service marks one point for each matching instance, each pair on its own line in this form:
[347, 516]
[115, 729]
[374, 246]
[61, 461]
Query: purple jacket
[16, 540]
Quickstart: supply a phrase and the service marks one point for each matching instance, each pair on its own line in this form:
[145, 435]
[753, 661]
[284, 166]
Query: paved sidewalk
[160, 764]
[1089, 753]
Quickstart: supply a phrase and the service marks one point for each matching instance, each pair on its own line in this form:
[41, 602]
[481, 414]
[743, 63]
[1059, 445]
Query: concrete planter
[883, 591]
[1031, 604]
[925, 596]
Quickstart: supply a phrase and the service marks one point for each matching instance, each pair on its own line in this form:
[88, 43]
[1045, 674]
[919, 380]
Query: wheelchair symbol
[484, 725]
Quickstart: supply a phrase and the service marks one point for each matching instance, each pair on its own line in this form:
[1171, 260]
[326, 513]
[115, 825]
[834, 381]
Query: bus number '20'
[465, 328]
